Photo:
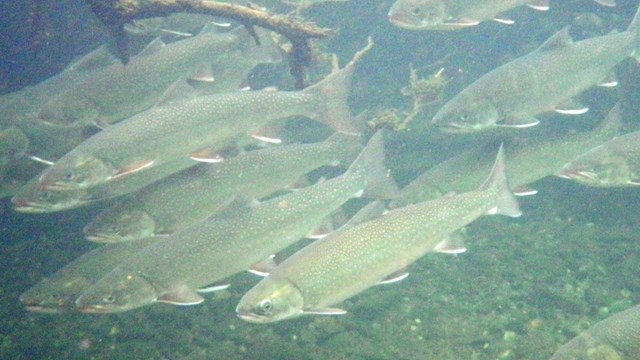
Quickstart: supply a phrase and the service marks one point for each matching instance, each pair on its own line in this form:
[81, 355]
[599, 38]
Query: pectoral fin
[463, 22]
[520, 123]
[453, 244]
[326, 311]
[181, 296]
[524, 190]
[504, 20]
[213, 288]
[132, 168]
[571, 107]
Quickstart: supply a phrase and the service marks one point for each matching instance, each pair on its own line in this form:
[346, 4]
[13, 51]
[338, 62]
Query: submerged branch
[115, 13]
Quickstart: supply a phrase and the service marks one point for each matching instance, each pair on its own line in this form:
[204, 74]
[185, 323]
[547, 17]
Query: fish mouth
[401, 22]
[456, 128]
[41, 309]
[99, 238]
[576, 175]
[93, 309]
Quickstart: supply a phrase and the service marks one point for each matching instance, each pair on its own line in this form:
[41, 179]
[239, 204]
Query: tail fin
[611, 126]
[607, 3]
[370, 165]
[634, 28]
[507, 203]
[334, 93]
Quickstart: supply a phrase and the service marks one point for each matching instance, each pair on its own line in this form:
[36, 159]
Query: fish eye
[113, 228]
[464, 117]
[109, 299]
[265, 307]
[44, 196]
[69, 176]
[416, 11]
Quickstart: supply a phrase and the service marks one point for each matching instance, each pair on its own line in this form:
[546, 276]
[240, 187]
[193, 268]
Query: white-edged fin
[267, 139]
[506, 203]
[301, 183]
[635, 182]
[521, 123]
[524, 190]
[559, 40]
[152, 48]
[453, 244]
[206, 155]
[213, 288]
[395, 277]
[203, 74]
[132, 168]
[463, 22]
[572, 111]
[264, 267]
[325, 311]
[504, 20]
[608, 3]
[609, 81]
[39, 159]
[181, 296]
[539, 5]
[177, 33]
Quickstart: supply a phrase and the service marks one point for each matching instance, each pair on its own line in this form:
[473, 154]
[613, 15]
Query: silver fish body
[351, 260]
[189, 197]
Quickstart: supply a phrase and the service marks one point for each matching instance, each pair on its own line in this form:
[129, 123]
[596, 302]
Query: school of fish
[203, 182]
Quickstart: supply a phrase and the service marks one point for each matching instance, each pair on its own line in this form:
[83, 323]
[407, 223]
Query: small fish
[182, 128]
[459, 14]
[547, 79]
[189, 197]
[612, 338]
[33, 199]
[173, 269]
[615, 163]
[120, 91]
[354, 258]
[528, 160]
[58, 292]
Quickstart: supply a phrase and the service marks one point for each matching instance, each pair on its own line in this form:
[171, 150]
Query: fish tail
[506, 201]
[634, 28]
[611, 126]
[370, 163]
[334, 93]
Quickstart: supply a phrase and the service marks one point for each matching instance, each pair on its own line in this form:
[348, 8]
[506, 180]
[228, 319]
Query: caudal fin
[333, 92]
[370, 165]
[507, 203]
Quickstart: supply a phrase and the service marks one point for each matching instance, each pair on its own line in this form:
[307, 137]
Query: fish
[182, 128]
[611, 338]
[459, 14]
[357, 257]
[547, 79]
[616, 163]
[57, 293]
[120, 91]
[220, 246]
[189, 197]
[23, 105]
[31, 198]
[178, 24]
[528, 160]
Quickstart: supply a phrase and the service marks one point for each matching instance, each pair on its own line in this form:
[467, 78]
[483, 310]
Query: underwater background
[523, 288]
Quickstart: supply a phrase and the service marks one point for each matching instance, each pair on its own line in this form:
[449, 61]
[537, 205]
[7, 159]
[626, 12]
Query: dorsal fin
[558, 40]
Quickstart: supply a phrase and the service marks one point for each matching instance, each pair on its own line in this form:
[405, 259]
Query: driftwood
[115, 13]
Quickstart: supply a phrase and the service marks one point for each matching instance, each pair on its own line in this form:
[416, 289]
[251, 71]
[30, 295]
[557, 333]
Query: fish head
[69, 111]
[32, 199]
[120, 226]
[462, 115]
[74, 172]
[119, 291]
[54, 295]
[418, 14]
[600, 171]
[270, 301]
